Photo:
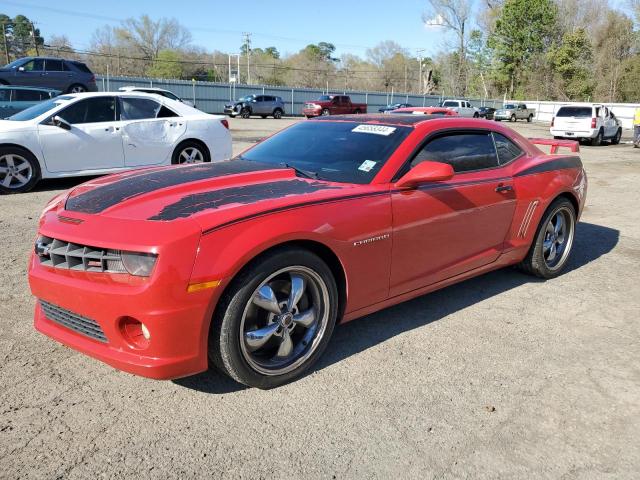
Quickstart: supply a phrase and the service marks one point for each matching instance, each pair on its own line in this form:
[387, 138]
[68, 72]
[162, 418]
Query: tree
[454, 16]
[166, 65]
[523, 29]
[21, 37]
[571, 60]
[629, 90]
[149, 37]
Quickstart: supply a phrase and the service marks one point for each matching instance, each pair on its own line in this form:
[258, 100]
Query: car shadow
[591, 242]
[52, 184]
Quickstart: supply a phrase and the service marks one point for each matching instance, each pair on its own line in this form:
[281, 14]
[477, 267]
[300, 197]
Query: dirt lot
[502, 376]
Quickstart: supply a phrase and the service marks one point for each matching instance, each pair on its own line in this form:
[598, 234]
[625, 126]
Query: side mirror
[426, 172]
[61, 122]
[21, 69]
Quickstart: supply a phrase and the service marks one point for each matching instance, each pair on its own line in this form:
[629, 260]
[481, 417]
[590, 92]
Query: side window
[90, 110]
[166, 113]
[507, 150]
[260, 98]
[36, 65]
[138, 108]
[463, 151]
[54, 66]
[26, 95]
[5, 95]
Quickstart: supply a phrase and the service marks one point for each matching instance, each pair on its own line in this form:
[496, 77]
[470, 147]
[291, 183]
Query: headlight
[139, 264]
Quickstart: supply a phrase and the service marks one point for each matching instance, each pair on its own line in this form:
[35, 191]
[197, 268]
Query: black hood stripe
[245, 194]
[105, 196]
[555, 164]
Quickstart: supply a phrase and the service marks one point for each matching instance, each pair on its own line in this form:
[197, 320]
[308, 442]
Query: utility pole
[420, 51]
[33, 35]
[247, 47]
[4, 37]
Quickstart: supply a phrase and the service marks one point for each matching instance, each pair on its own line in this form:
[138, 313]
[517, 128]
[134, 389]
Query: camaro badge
[370, 240]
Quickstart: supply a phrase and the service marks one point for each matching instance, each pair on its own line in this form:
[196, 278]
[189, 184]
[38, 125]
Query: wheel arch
[572, 198]
[16, 145]
[194, 140]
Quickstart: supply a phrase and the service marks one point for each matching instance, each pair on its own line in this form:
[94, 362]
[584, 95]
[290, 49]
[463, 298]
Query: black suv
[65, 75]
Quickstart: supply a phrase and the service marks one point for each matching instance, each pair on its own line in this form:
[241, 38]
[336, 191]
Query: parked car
[16, 99]
[513, 112]
[587, 122]
[486, 112]
[249, 264]
[97, 133]
[426, 111]
[393, 106]
[259, 105]
[158, 91]
[462, 108]
[68, 76]
[333, 105]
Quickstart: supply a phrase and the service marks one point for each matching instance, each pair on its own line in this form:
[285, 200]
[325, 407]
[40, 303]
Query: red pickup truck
[332, 105]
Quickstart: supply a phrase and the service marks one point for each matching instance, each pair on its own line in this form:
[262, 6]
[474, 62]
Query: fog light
[134, 332]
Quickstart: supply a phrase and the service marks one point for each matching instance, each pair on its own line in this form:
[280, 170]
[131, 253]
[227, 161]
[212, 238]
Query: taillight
[593, 123]
[553, 119]
[92, 79]
[225, 123]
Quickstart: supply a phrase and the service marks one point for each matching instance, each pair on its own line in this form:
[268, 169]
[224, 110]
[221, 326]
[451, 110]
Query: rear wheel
[530, 118]
[275, 320]
[616, 138]
[190, 152]
[552, 243]
[19, 170]
[277, 113]
[358, 112]
[77, 88]
[597, 140]
[513, 118]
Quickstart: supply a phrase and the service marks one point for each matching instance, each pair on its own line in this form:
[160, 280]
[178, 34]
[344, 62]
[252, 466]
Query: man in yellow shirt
[636, 129]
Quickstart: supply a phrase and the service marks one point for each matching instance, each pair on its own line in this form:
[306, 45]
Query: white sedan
[97, 133]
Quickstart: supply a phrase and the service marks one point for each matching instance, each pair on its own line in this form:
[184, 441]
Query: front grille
[73, 256]
[73, 321]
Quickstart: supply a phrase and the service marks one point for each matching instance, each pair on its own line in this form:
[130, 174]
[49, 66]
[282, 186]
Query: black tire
[277, 113]
[77, 88]
[476, 115]
[177, 158]
[19, 157]
[226, 349]
[326, 112]
[358, 112]
[535, 262]
[616, 138]
[530, 118]
[245, 113]
[555, 137]
[597, 141]
[513, 118]
[263, 116]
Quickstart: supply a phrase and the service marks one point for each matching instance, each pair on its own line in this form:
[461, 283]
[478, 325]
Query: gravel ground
[501, 376]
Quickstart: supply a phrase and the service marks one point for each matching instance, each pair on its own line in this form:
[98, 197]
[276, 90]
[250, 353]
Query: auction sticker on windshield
[367, 165]
[375, 129]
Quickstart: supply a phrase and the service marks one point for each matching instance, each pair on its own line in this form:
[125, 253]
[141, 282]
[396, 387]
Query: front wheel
[616, 139]
[552, 243]
[245, 113]
[19, 170]
[275, 320]
[513, 118]
[597, 141]
[476, 115]
[326, 112]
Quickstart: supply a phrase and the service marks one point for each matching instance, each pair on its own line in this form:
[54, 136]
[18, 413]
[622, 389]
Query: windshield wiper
[302, 173]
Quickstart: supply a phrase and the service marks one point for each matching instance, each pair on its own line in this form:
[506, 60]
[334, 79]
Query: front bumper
[312, 112]
[232, 111]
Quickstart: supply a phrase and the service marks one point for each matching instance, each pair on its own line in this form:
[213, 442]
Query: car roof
[380, 118]
[134, 88]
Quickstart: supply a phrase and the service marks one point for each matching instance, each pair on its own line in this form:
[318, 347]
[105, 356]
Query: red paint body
[338, 105]
[425, 239]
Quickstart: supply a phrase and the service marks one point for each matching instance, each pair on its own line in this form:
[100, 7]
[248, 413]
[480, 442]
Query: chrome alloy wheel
[78, 89]
[284, 321]
[191, 155]
[15, 171]
[558, 238]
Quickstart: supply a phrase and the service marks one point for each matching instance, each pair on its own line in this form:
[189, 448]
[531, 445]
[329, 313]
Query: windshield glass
[248, 98]
[325, 98]
[38, 109]
[346, 152]
[574, 112]
[509, 106]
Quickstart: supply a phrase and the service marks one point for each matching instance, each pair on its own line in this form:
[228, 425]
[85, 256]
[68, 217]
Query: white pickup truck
[462, 107]
[513, 112]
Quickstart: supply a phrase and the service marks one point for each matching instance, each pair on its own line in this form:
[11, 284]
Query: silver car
[261, 105]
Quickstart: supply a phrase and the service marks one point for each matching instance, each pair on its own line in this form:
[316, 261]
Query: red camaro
[250, 263]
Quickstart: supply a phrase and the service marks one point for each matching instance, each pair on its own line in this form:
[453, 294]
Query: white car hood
[11, 126]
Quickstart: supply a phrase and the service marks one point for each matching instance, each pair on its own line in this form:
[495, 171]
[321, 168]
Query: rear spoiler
[556, 144]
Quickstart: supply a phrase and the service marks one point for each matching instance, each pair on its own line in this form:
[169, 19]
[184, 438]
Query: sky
[351, 25]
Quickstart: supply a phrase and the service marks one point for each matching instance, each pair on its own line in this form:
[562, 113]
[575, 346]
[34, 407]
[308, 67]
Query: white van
[591, 122]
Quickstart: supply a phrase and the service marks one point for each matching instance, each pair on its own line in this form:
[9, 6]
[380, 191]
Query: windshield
[15, 63]
[325, 98]
[509, 106]
[346, 152]
[248, 98]
[574, 112]
[38, 109]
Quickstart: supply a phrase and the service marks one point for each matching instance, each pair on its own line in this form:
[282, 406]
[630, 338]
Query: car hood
[12, 126]
[213, 194]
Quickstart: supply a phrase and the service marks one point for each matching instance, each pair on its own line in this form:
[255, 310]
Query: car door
[258, 106]
[94, 141]
[444, 229]
[610, 125]
[22, 98]
[54, 74]
[31, 74]
[6, 109]
[150, 131]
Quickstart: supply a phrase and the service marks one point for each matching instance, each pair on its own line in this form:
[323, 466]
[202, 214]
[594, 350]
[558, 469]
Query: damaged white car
[97, 133]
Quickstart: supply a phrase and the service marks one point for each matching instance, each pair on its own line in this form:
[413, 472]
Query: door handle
[504, 188]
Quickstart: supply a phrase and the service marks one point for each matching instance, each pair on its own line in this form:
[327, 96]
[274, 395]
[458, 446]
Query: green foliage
[629, 90]
[166, 65]
[524, 28]
[571, 61]
[21, 36]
